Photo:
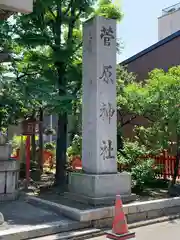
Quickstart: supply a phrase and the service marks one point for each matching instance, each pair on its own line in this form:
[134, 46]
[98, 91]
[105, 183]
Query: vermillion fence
[165, 165]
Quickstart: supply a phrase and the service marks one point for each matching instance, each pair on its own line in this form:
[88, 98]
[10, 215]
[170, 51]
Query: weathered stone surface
[136, 217]
[152, 205]
[99, 96]
[155, 213]
[104, 201]
[9, 172]
[9, 196]
[24, 221]
[100, 186]
[100, 182]
[172, 210]
[1, 218]
[9, 165]
[5, 152]
[160, 208]
[102, 223]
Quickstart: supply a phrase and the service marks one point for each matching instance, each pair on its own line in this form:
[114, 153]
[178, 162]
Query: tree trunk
[61, 147]
[61, 144]
[120, 143]
[176, 168]
[41, 145]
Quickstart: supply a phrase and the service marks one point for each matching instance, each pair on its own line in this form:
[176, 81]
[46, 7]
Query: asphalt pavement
[161, 231]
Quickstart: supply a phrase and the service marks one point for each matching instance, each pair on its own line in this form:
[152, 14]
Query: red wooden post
[28, 159]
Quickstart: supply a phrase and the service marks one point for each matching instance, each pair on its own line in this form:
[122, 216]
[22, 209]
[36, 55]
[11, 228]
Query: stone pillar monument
[99, 182]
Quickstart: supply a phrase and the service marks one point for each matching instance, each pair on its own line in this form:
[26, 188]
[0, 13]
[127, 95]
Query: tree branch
[71, 26]
[129, 120]
[68, 7]
[24, 75]
[58, 24]
[52, 13]
[148, 118]
[78, 46]
[72, 22]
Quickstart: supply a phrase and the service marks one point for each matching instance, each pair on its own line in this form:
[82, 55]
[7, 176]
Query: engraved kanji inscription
[107, 111]
[107, 74]
[106, 150]
[107, 34]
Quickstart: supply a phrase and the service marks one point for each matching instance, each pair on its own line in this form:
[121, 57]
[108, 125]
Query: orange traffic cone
[120, 227]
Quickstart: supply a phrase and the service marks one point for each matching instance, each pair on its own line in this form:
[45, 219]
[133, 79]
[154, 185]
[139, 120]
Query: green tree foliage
[50, 59]
[158, 99]
[124, 78]
[11, 105]
[131, 159]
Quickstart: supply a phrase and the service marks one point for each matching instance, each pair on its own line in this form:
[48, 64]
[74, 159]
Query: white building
[169, 21]
[7, 7]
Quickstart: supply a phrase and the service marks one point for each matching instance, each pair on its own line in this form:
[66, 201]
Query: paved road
[160, 231]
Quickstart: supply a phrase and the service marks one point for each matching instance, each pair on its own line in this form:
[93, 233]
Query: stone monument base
[5, 151]
[1, 218]
[100, 189]
[9, 173]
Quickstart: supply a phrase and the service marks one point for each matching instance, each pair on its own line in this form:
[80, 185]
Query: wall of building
[169, 22]
[23, 6]
[164, 57]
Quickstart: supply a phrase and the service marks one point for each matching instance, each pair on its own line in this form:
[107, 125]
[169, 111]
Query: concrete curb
[151, 205]
[89, 233]
[81, 234]
[154, 221]
[29, 231]
[95, 220]
[72, 213]
[137, 211]
[56, 230]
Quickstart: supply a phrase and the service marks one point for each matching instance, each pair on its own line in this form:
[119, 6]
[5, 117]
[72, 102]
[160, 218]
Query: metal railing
[171, 9]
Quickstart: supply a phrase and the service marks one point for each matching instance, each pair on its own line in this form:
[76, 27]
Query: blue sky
[139, 27]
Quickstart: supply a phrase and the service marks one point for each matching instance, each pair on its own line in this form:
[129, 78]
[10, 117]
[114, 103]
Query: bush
[131, 160]
[143, 173]
[51, 146]
[131, 154]
[75, 148]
